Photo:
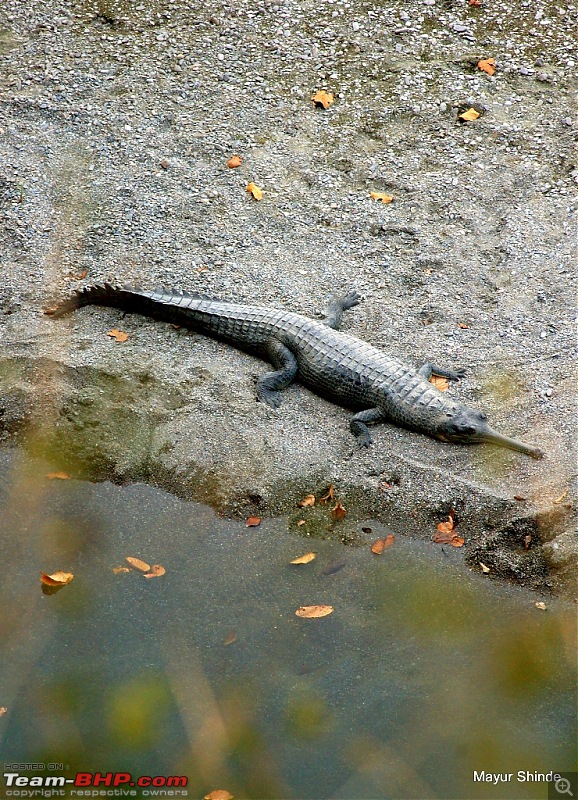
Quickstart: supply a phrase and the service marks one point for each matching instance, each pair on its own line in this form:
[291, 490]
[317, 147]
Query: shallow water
[424, 673]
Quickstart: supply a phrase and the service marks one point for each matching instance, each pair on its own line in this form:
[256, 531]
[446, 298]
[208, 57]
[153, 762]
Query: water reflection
[423, 674]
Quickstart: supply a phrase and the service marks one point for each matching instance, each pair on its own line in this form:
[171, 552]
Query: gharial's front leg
[427, 370]
[268, 385]
[337, 305]
[358, 425]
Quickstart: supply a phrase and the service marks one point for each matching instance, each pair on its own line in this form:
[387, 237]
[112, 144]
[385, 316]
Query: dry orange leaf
[322, 98]
[218, 794]
[382, 544]
[305, 559]
[474, 3]
[463, 325]
[314, 612]
[307, 501]
[156, 571]
[119, 570]
[469, 115]
[440, 383]
[385, 198]
[230, 637]
[445, 527]
[252, 522]
[78, 277]
[338, 511]
[234, 161]
[138, 564]
[61, 476]
[255, 191]
[489, 65]
[120, 336]
[457, 541]
[58, 578]
[300, 523]
[330, 495]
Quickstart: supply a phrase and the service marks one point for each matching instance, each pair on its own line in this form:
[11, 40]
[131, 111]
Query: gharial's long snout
[487, 434]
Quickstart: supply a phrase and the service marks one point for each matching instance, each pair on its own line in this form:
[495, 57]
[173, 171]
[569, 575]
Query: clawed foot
[455, 374]
[364, 440]
[350, 300]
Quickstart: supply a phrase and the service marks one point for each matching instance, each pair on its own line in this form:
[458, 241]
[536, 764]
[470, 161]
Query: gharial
[333, 364]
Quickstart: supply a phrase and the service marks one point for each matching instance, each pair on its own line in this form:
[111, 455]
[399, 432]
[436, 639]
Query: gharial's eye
[483, 417]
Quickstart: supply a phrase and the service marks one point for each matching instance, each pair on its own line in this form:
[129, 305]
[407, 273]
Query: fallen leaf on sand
[541, 606]
[322, 98]
[138, 564]
[484, 568]
[382, 544]
[470, 115]
[305, 559]
[252, 522]
[314, 612]
[119, 570]
[488, 65]
[57, 578]
[156, 571]
[307, 501]
[440, 383]
[255, 191]
[61, 476]
[382, 196]
[218, 794]
[234, 161]
[120, 336]
[338, 511]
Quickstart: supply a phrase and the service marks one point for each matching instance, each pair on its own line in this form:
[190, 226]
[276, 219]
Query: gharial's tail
[101, 295]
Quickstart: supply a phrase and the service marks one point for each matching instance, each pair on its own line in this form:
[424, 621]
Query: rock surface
[118, 120]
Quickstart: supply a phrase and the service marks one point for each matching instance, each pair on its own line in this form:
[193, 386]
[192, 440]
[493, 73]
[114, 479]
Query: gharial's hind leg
[337, 305]
[268, 385]
[427, 370]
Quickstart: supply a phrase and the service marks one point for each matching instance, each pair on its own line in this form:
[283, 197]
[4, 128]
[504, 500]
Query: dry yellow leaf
[234, 161]
[469, 115]
[255, 191]
[305, 559]
[541, 606]
[322, 98]
[307, 501]
[3, 710]
[484, 568]
[138, 564]
[440, 383]
[219, 794]
[61, 476]
[385, 198]
[156, 571]
[300, 523]
[562, 497]
[57, 578]
[488, 65]
[314, 612]
[119, 570]
[120, 336]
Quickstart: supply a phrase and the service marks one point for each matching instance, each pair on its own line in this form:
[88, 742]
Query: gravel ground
[117, 123]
